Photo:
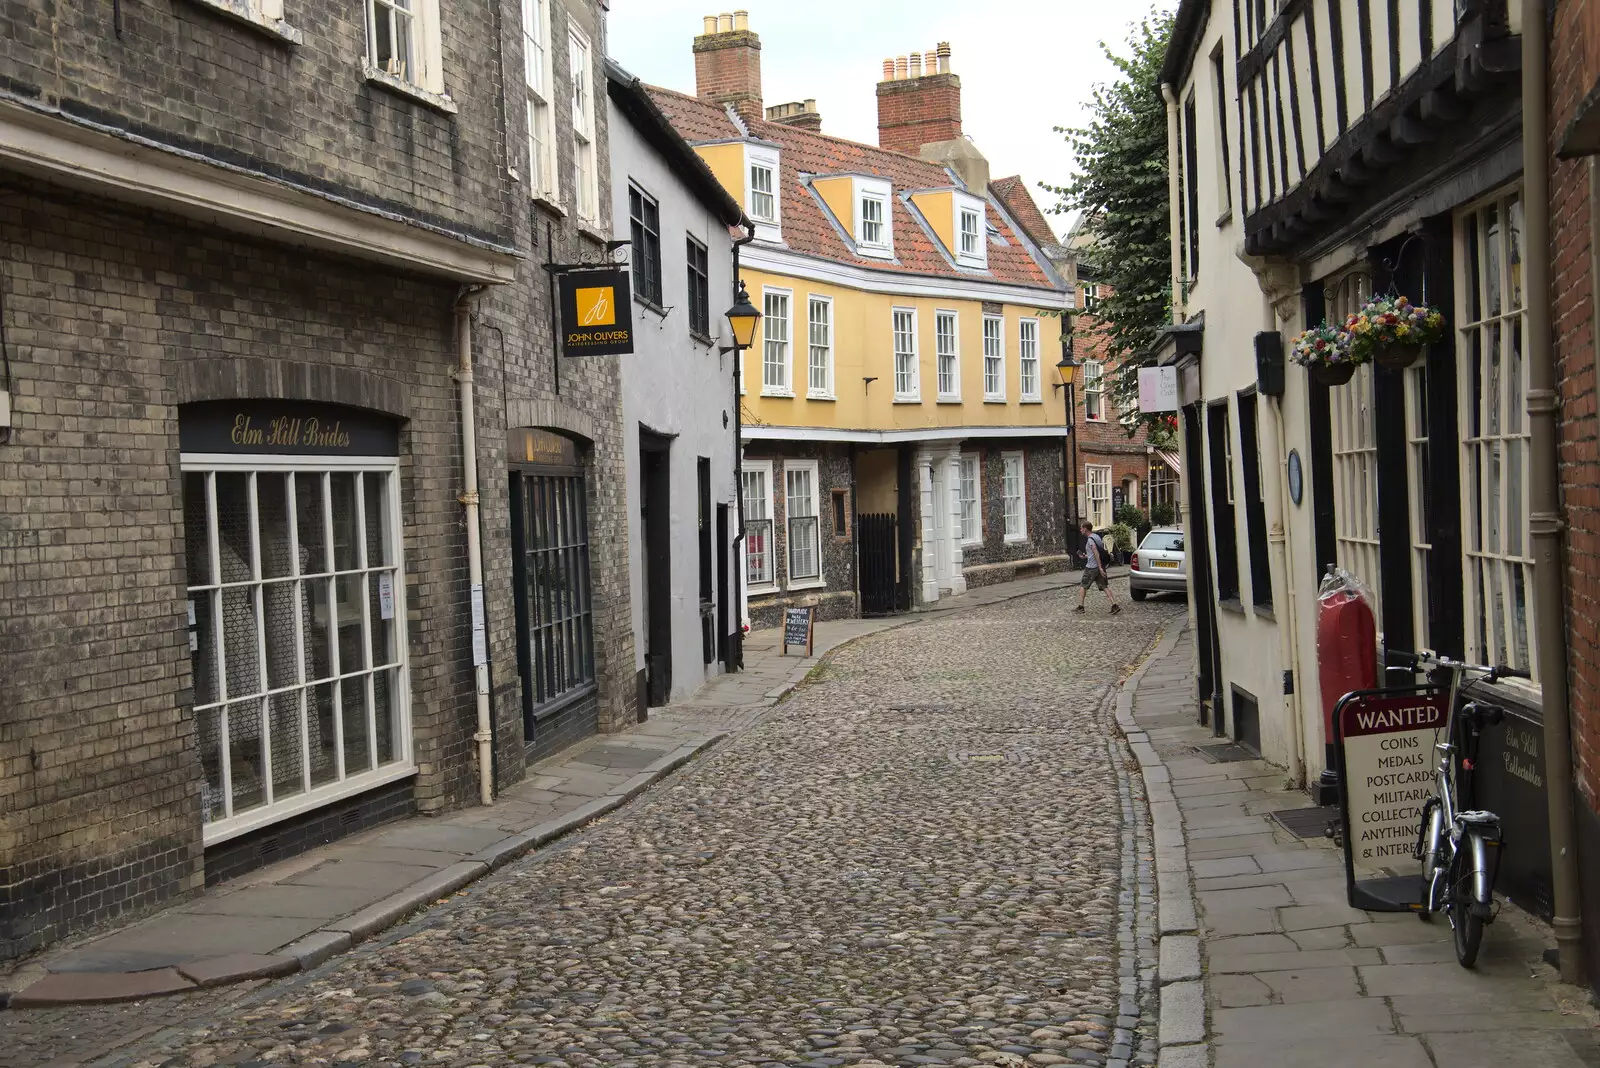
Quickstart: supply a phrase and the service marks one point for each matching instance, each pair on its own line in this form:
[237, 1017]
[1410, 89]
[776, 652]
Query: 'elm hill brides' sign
[286, 428]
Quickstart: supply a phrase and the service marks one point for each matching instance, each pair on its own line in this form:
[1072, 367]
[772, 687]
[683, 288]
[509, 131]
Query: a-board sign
[797, 628]
[1387, 758]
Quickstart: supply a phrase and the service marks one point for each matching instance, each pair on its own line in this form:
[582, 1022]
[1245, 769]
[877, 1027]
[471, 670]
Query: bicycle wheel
[1464, 924]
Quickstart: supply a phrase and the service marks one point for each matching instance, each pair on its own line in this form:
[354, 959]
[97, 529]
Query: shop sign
[596, 312]
[527, 446]
[286, 428]
[1508, 778]
[1388, 755]
[1158, 389]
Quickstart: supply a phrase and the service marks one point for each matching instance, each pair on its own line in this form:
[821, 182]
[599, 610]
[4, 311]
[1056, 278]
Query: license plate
[1166, 563]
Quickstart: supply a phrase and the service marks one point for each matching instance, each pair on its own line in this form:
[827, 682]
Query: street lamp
[742, 320]
[1068, 370]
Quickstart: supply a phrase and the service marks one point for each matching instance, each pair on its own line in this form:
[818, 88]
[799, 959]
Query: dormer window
[871, 232]
[763, 199]
[971, 225]
[971, 237]
[874, 217]
[763, 205]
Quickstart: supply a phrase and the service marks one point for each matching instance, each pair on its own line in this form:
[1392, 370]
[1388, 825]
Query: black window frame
[644, 221]
[699, 268]
[1191, 194]
[1220, 79]
[1224, 523]
[1255, 508]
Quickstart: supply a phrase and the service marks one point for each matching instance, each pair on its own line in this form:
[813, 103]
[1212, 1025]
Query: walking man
[1094, 568]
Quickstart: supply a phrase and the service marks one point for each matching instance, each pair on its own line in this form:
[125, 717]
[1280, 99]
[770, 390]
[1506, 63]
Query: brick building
[241, 245]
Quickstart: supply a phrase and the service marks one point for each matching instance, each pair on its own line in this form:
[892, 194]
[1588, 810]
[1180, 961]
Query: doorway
[655, 520]
[1209, 653]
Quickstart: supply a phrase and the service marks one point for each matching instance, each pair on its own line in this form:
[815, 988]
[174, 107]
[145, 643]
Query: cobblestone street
[919, 858]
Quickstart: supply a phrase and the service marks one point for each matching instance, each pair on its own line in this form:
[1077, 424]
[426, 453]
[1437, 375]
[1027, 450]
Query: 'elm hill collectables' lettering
[596, 312]
[286, 428]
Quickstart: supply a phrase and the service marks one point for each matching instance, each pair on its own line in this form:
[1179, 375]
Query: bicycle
[1459, 848]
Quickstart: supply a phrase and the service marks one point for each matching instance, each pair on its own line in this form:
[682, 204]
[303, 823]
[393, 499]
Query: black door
[1199, 560]
[876, 542]
[724, 639]
[656, 522]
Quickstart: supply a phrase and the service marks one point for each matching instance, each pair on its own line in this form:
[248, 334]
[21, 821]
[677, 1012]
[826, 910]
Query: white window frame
[969, 475]
[947, 354]
[1091, 298]
[881, 193]
[1015, 522]
[538, 79]
[807, 468]
[424, 68]
[342, 785]
[994, 359]
[819, 343]
[1097, 492]
[585, 150]
[763, 469]
[769, 227]
[1355, 456]
[1417, 472]
[966, 204]
[907, 384]
[1094, 377]
[1028, 358]
[1496, 469]
[784, 346]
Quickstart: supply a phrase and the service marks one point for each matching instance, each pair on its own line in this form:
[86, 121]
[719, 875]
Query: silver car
[1157, 565]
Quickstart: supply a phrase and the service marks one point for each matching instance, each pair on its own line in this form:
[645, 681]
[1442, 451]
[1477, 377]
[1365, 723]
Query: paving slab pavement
[1257, 931]
[294, 915]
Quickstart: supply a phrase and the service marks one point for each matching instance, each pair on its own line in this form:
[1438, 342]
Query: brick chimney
[919, 101]
[727, 63]
[802, 114]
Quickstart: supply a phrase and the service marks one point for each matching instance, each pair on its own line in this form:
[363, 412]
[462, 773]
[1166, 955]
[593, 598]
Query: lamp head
[742, 318]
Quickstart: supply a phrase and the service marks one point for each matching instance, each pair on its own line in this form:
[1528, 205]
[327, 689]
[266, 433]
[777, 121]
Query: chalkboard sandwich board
[797, 628]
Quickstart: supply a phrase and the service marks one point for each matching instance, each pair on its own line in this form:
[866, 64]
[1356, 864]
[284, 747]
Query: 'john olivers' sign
[1388, 774]
[596, 312]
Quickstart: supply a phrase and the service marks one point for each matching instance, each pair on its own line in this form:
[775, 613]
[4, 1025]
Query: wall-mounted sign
[596, 312]
[1158, 389]
[1297, 477]
[527, 446]
[286, 428]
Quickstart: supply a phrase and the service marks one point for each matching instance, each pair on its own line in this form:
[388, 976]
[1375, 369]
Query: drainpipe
[469, 502]
[1544, 497]
[1178, 300]
[738, 457]
[1288, 631]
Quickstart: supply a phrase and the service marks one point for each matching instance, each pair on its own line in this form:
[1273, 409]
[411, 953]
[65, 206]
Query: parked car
[1157, 565]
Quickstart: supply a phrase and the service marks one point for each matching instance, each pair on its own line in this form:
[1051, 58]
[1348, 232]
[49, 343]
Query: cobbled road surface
[919, 858]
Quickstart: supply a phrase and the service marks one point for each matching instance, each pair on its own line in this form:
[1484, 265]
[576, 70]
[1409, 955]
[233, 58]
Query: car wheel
[1138, 595]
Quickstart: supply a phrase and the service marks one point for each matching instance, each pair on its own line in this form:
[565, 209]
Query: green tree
[1121, 188]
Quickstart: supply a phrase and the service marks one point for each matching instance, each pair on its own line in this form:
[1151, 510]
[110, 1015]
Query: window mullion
[292, 509]
[331, 598]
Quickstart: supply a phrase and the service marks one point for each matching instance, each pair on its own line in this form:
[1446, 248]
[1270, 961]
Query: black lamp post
[1068, 370]
[742, 320]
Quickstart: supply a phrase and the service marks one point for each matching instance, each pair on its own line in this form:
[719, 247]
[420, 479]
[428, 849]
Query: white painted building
[679, 400]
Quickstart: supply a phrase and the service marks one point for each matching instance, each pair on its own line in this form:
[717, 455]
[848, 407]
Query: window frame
[812, 469]
[585, 135]
[698, 279]
[768, 228]
[1219, 86]
[963, 204]
[1419, 491]
[1097, 475]
[768, 294]
[912, 394]
[974, 462]
[826, 390]
[1021, 497]
[1351, 414]
[998, 358]
[644, 228]
[1036, 394]
[1094, 371]
[311, 796]
[769, 583]
[426, 52]
[940, 315]
[544, 182]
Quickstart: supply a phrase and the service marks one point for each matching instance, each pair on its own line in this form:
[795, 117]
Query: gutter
[1545, 522]
[484, 735]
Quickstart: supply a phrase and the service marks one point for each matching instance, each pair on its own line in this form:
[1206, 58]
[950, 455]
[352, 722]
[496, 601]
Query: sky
[1025, 69]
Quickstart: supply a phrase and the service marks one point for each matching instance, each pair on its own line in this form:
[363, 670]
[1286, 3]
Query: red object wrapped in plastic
[1347, 642]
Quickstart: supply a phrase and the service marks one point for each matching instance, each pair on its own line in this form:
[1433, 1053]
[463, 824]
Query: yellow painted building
[903, 434]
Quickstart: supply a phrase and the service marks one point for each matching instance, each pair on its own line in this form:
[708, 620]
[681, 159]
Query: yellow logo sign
[597, 306]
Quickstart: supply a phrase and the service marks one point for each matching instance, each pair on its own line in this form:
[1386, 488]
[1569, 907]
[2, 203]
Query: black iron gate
[876, 537]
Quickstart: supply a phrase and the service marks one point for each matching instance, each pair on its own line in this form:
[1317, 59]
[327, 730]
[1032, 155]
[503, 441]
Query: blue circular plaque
[1297, 484]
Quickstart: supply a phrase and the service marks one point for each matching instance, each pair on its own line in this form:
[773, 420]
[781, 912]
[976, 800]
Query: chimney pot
[741, 20]
[900, 67]
[811, 103]
[916, 65]
[888, 70]
[944, 57]
[710, 24]
[725, 23]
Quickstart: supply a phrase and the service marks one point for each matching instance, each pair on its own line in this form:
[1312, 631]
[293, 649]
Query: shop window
[1097, 483]
[756, 482]
[967, 485]
[1355, 456]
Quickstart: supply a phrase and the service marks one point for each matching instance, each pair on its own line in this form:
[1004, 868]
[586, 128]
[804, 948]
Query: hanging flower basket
[1393, 331]
[1324, 351]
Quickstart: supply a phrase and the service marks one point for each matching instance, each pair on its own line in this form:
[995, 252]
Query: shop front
[296, 597]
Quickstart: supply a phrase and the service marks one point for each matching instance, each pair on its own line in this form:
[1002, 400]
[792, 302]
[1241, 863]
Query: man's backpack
[1102, 553]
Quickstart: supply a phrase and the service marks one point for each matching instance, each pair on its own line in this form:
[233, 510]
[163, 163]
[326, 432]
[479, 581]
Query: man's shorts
[1096, 578]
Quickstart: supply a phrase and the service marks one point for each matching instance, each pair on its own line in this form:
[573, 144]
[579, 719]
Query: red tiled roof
[807, 225]
[1013, 193]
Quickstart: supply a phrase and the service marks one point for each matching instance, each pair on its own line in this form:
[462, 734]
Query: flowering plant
[1391, 322]
[1324, 345]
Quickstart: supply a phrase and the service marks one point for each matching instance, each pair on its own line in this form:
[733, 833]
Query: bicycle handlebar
[1427, 659]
